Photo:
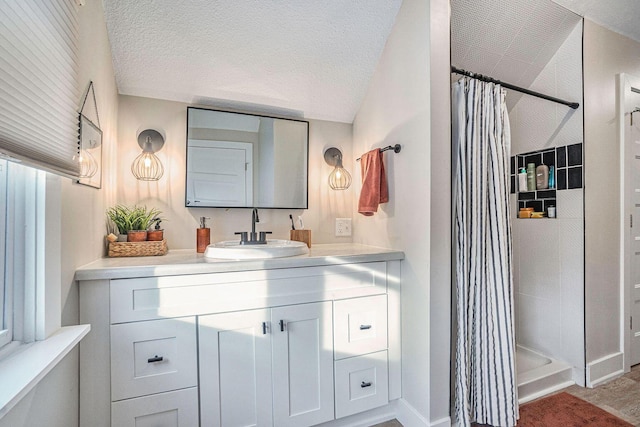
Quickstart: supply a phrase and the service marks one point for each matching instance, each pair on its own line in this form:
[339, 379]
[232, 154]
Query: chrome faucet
[254, 218]
[253, 238]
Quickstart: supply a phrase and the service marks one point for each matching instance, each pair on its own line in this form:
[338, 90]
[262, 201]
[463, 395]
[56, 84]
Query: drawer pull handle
[281, 325]
[365, 327]
[264, 328]
[155, 359]
[364, 385]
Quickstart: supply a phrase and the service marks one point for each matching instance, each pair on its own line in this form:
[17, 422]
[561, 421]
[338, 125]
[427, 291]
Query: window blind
[38, 83]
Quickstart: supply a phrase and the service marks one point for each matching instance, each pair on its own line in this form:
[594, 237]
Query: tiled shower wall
[567, 163]
[549, 253]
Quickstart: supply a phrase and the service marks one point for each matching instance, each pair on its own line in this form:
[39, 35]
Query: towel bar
[396, 149]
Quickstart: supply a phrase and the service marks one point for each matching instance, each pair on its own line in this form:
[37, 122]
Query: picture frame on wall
[90, 153]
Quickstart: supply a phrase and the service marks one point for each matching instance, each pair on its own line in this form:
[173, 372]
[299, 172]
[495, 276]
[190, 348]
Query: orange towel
[374, 183]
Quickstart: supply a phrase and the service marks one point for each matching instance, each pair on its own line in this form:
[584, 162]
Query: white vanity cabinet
[294, 346]
[267, 367]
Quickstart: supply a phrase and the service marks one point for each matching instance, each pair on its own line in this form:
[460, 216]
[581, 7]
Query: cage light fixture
[147, 166]
[339, 178]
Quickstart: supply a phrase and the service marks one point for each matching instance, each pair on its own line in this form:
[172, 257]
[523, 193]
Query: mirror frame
[306, 201]
[90, 140]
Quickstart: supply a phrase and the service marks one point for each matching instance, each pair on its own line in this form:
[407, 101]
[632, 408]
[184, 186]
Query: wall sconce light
[147, 167]
[339, 178]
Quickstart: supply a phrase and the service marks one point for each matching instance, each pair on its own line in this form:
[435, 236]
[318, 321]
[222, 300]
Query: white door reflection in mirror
[219, 173]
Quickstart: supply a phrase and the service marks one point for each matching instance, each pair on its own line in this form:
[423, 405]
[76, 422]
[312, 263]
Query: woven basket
[121, 249]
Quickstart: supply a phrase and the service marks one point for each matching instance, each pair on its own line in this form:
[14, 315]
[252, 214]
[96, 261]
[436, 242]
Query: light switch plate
[343, 227]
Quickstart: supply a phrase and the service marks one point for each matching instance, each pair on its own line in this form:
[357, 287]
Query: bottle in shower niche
[542, 177]
[552, 177]
[531, 177]
[522, 180]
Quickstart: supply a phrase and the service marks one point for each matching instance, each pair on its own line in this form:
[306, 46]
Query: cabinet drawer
[172, 409]
[362, 383]
[152, 357]
[151, 298]
[360, 326]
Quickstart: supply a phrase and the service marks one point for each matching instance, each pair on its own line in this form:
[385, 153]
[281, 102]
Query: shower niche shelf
[567, 163]
[539, 200]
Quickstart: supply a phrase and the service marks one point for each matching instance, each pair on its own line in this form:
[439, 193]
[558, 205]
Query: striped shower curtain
[485, 379]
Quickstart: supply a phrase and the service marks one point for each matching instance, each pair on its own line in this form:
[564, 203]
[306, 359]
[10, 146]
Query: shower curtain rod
[573, 105]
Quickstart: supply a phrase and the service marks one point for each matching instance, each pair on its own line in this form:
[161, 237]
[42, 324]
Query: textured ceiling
[509, 40]
[620, 16]
[308, 58]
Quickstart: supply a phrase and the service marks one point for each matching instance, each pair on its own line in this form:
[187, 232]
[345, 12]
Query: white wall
[537, 123]
[83, 223]
[440, 230]
[54, 402]
[408, 103]
[167, 194]
[605, 55]
[548, 254]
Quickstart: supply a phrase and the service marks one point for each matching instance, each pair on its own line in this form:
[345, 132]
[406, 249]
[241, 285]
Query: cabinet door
[235, 369]
[302, 364]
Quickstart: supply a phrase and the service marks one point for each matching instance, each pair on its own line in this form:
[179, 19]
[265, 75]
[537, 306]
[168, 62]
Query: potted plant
[157, 234]
[119, 216]
[133, 221]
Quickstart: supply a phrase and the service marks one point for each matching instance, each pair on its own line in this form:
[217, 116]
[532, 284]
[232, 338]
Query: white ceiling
[509, 40]
[306, 58]
[620, 16]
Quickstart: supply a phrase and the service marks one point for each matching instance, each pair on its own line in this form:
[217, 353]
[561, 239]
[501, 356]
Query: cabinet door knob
[281, 325]
[363, 384]
[264, 328]
[365, 327]
[155, 359]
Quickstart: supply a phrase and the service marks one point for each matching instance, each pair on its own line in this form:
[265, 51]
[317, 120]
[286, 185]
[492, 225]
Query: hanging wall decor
[89, 156]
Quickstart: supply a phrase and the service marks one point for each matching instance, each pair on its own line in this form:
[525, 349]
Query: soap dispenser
[203, 235]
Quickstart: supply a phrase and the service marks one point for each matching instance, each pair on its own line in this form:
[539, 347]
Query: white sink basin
[232, 249]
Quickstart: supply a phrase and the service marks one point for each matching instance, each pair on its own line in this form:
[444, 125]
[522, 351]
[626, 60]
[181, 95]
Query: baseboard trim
[579, 376]
[409, 416]
[605, 369]
[444, 422]
[366, 419]
[398, 409]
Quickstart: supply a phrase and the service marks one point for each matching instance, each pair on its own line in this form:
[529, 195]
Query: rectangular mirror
[246, 160]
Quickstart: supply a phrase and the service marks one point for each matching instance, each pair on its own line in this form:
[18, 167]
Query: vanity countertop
[187, 261]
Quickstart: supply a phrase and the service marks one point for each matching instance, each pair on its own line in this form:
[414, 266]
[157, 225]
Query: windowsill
[23, 370]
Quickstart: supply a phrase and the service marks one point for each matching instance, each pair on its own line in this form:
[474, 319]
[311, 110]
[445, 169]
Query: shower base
[539, 375]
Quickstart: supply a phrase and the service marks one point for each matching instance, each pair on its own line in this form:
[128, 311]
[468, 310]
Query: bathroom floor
[392, 423]
[620, 397]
